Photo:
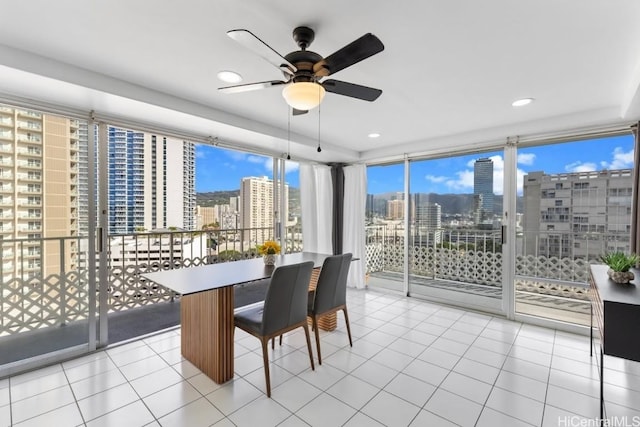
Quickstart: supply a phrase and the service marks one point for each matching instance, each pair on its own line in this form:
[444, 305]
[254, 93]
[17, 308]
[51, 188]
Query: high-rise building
[205, 215]
[429, 222]
[483, 190]
[369, 206]
[38, 192]
[257, 207]
[229, 220]
[582, 214]
[395, 209]
[148, 188]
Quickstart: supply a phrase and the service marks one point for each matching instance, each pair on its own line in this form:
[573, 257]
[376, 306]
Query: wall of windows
[511, 231]
[162, 202]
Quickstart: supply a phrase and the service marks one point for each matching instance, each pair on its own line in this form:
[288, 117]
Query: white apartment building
[258, 207]
[38, 192]
[581, 214]
[148, 188]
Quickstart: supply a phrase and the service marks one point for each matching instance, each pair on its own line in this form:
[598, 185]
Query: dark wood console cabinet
[615, 317]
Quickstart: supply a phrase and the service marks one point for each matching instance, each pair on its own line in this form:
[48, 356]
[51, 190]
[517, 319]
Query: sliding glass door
[575, 205]
[385, 227]
[47, 282]
[455, 229]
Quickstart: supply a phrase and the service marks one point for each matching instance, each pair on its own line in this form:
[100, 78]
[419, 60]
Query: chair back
[286, 301]
[331, 290]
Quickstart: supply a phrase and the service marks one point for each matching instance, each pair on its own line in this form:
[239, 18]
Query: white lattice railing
[33, 298]
[545, 275]
[555, 264]
[49, 295]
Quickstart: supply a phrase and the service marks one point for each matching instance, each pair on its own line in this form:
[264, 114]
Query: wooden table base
[207, 332]
[328, 322]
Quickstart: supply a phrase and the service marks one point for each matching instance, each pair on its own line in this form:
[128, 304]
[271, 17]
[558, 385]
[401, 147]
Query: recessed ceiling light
[229, 76]
[521, 102]
[374, 135]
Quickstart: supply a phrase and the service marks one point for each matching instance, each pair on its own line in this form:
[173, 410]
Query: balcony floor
[529, 303]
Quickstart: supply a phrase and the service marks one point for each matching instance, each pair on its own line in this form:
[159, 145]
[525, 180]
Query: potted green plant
[619, 264]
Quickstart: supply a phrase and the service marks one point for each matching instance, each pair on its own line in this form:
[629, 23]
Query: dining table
[207, 306]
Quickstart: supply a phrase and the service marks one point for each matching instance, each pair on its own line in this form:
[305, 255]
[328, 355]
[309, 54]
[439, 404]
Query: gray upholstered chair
[330, 294]
[284, 309]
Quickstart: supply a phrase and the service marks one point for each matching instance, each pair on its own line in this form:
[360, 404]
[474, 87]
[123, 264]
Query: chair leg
[306, 332]
[265, 358]
[314, 327]
[273, 342]
[346, 320]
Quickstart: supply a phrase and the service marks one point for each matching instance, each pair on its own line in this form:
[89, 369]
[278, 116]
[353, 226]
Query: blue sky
[221, 169]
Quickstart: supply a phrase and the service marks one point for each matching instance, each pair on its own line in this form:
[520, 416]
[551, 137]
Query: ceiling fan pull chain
[289, 112]
[319, 149]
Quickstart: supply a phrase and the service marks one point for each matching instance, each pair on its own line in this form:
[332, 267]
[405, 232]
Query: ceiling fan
[304, 71]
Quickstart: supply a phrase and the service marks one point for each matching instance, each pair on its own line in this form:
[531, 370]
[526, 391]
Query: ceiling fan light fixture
[303, 95]
[229, 76]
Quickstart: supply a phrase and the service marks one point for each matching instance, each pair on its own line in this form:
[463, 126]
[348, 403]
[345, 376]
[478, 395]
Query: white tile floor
[413, 363]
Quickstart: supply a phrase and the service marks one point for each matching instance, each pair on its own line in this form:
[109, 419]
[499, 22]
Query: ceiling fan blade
[250, 86]
[350, 89]
[253, 43]
[299, 112]
[362, 48]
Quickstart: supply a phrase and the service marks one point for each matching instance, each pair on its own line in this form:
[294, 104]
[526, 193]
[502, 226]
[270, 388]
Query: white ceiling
[449, 72]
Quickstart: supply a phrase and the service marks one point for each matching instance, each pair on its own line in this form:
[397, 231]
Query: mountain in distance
[212, 198]
[453, 203]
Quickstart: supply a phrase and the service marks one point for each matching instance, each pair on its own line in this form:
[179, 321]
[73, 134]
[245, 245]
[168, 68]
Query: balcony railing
[34, 297]
[551, 268]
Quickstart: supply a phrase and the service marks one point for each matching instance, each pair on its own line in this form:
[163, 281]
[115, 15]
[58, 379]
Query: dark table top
[614, 292]
[212, 276]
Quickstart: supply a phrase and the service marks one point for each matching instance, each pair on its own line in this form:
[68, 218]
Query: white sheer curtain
[355, 200]
[316, 200]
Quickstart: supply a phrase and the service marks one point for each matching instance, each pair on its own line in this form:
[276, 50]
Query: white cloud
[436, 179]
[578, 166]
[463, 182]
[289, 166]
[621, 160]
[237, 156]
[526, 158]
[258, 159]
[200, 154]
[268, 165]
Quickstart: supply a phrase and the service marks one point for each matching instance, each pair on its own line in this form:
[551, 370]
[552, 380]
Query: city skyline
[454, 175]
[219, 169]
